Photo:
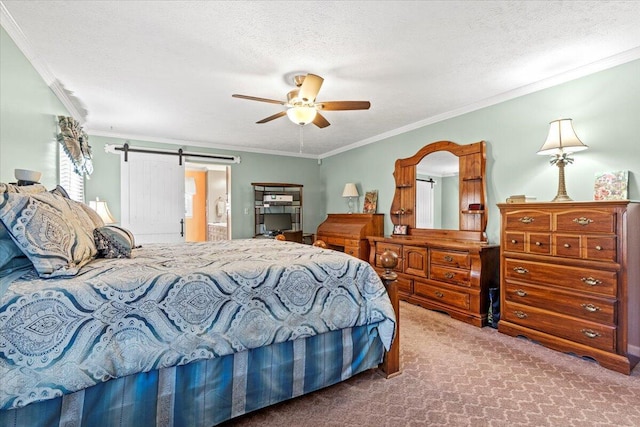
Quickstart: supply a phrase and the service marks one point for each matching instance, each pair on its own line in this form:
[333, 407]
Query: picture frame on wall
[611, 185]
[400, 229]
[370, 202]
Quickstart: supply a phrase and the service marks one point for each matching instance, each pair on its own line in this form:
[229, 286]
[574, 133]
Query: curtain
[75, 143]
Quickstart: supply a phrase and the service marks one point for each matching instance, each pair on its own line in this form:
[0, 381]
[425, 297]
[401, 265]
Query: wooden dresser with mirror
[445, 262]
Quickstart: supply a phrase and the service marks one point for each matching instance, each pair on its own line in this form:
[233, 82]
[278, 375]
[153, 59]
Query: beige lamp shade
[350, 190]
[302, 115]
[561, 139]
[100, 206]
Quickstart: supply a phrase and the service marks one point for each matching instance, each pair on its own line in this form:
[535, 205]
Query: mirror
[437, 191]
[458, 208]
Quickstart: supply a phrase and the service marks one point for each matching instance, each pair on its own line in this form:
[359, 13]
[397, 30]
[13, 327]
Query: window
[69, 180]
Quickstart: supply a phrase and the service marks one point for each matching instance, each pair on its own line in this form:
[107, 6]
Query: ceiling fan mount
[301, 106]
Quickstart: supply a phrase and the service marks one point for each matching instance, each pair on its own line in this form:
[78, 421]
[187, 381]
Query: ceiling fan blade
[254, 98]
[320, 121]
[310, 87]
[343, 105]
[275, 116]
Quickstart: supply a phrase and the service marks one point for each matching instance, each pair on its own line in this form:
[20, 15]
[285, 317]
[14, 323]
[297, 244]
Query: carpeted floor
[455, 374]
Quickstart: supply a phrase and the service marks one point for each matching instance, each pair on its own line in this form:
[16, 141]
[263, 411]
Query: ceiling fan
[301, 105]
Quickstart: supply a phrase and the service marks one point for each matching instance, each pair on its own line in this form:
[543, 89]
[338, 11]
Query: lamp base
[350, 204]
[562, 189]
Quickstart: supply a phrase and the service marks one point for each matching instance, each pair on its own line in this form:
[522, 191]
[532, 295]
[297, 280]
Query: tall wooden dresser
[570, 278]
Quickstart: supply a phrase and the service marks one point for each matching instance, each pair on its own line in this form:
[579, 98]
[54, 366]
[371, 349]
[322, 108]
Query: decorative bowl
[27, 175]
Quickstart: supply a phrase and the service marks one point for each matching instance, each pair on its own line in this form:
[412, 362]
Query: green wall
[605, 108]
[28, 117]
[105, 181]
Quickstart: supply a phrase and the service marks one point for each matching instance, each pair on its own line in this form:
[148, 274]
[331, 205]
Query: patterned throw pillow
[55, 233]
[25, 189]
[113, 241]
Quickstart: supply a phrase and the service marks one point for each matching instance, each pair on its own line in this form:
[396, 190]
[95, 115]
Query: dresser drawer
[602, 248]
[581, 331]
[450, 258]
[333, 241]
[514, 241]
[567, 246]
[585, 307]
[528, 220]
[442, 296]
[540, 243]
[581, 279]
[352, 250]
[451, 275]
[405, 285]
[383, 246]
[586, 221]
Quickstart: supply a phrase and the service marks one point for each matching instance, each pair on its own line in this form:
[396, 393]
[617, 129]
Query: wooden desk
[348, 232]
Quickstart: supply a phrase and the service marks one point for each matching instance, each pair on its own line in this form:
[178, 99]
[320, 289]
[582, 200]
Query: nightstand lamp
[561, 141]
[350, 191]
[100, 206]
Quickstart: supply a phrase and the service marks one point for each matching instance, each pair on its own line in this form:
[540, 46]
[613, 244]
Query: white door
[152, 197]
[424, 204]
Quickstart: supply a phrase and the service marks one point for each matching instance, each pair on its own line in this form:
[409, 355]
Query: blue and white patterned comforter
[173, 304]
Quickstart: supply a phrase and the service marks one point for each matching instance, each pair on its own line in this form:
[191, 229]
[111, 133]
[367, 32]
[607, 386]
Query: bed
[183, 334]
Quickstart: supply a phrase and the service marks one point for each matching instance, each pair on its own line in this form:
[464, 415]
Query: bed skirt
[208, 392]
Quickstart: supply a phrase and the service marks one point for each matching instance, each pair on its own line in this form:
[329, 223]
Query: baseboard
[634, 350]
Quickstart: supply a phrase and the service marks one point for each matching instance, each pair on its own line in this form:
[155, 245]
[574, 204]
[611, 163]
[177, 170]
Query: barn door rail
[182, 155]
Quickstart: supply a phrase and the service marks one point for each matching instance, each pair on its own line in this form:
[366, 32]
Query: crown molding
[604, 64]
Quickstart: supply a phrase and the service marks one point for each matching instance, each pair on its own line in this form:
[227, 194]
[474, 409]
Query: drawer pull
[439, 294]
[449, 275]
[520, 293]
[520, 314]
[520, 270]
[591, 281]
[591, 308]
[514, 241]
[598, 248]
[590, 333]
[566, 245]
[526, 220]
[538, 244]
[582, 221]
[448, 258]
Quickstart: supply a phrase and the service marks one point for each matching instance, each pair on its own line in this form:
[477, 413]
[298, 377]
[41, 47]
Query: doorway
[207, 202]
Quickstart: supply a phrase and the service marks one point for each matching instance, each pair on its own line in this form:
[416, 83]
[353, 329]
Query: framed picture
[400, 229]
[611, 185]
[370, 202]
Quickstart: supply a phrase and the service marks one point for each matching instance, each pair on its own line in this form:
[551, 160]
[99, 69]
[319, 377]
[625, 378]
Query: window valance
[75, 142]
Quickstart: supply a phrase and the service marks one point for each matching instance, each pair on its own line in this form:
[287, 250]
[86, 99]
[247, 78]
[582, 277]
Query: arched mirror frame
[473, 219]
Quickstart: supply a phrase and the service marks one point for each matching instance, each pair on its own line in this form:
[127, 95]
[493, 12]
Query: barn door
[153, 200]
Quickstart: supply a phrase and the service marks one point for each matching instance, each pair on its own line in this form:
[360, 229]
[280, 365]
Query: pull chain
[301, 138]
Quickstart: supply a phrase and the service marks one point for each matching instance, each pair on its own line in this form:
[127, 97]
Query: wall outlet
[246, 211]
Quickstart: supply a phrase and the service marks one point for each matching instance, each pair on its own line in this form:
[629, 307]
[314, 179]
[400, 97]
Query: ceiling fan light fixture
[302, 115]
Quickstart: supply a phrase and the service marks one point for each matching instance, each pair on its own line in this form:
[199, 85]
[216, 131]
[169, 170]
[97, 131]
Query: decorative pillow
[24, 189]
[93, 215]
[15, 264]
[55, 233]
[113, 241]
[8, 250]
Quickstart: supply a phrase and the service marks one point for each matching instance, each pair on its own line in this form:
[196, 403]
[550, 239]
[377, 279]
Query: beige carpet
[455, 374]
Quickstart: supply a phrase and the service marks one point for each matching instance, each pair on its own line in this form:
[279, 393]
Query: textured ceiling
[166, 70]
